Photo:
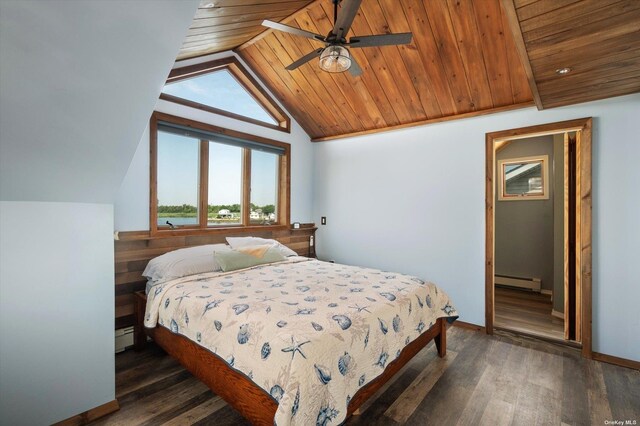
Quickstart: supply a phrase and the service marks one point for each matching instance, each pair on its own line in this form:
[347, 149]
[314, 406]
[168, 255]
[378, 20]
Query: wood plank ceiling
[467, 57]
[598, 39]
[221, 25]
[461, 62]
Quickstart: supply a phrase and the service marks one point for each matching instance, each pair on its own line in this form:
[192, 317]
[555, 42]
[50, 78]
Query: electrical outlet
[323, 220]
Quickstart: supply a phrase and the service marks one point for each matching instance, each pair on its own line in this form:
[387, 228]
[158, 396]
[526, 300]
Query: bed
[298, 341]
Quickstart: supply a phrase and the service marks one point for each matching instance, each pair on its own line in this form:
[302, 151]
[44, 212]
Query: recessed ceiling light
[563, 71]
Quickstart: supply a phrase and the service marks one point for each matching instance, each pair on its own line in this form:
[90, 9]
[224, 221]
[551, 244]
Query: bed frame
[253, 402]
[132, 252]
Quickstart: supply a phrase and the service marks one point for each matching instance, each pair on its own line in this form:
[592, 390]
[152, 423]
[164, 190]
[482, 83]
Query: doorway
[513, 182]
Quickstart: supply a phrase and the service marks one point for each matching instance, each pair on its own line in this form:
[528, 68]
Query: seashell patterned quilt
[309, 333]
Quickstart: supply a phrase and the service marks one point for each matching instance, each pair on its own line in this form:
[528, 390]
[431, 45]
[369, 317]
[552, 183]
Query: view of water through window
[178, 178]
[225, 184]
[178, 159]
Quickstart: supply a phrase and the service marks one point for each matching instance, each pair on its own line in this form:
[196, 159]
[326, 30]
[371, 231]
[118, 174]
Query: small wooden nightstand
[306, 231]
[139, 336]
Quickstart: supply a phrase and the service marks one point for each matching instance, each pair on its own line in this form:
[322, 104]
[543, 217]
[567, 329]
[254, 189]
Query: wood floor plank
[599, 407]
[425, 356]
[177, 412]
[146, 373]
[497, 413]
[481, 396]
[373, 409]
[408, 401]
[513, 374]
[528, 312]
[575, 405]
[226, 416]
[198, 412]
[455, 386]
[152, 378]
[484, 380]
[623, 391]
[168, 399]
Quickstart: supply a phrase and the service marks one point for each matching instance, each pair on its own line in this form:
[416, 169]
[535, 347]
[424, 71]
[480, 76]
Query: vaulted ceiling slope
[462, 61]
[599, 40]
[221, 25]
[79, 81]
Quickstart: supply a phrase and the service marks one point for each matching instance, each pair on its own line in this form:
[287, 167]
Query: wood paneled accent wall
[133, 250]
[461, 62]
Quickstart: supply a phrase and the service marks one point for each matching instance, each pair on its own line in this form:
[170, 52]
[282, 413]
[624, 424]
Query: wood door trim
[565, 228]
[578, 251]
[584, 266]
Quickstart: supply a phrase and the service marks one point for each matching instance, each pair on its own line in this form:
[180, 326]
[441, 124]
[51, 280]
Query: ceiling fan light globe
[335, 59]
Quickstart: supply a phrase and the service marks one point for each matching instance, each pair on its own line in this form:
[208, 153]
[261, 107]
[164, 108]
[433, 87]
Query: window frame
[502, 182]
[284, 179]
[242, 76]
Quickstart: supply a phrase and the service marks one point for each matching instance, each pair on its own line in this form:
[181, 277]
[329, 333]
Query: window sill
[221, 230]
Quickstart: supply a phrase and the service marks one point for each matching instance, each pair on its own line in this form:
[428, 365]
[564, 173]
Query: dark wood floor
[484, 380]
[528, 312]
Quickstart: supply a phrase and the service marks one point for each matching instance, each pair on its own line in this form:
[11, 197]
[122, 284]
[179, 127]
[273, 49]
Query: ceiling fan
[335, 56]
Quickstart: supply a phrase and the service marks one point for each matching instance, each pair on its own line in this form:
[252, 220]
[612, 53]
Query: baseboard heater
[124, 338]
[519, 282]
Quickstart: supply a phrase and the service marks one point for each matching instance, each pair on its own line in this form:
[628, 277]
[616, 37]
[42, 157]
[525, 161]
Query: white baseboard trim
[557, 314]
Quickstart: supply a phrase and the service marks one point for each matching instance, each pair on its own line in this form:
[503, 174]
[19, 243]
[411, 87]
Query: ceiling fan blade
[306, 58]
[354, 69]
[381, 40]
[291, 30]
[348, 11]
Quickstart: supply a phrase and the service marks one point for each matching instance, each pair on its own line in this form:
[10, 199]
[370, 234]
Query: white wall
[56, 310]
[78, 81]
[412, 201]
[132, 202]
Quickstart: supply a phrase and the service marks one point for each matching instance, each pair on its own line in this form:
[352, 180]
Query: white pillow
[239, 242]
[183, 262]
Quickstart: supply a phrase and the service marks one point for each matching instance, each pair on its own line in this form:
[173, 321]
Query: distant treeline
[187, 209]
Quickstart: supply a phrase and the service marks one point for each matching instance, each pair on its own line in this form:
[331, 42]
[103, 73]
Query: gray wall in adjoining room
[524, 228]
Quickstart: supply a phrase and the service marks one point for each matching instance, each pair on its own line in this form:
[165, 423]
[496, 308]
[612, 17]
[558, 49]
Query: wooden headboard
[134, 249]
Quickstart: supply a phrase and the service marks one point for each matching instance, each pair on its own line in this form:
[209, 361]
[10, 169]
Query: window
[206, 177]
[177, 181]
[225, 88]
[264, 187]
[525, 178]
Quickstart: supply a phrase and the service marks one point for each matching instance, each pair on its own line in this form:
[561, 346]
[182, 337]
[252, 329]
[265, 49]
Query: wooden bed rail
[255, 404]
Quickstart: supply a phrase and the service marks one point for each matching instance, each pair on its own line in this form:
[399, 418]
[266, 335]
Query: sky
[178, 173]
[220, 90]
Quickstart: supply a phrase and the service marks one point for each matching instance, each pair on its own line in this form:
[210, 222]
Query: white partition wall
[413, 201]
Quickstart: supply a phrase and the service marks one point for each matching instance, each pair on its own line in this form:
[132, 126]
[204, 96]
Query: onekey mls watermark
[621, 422]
